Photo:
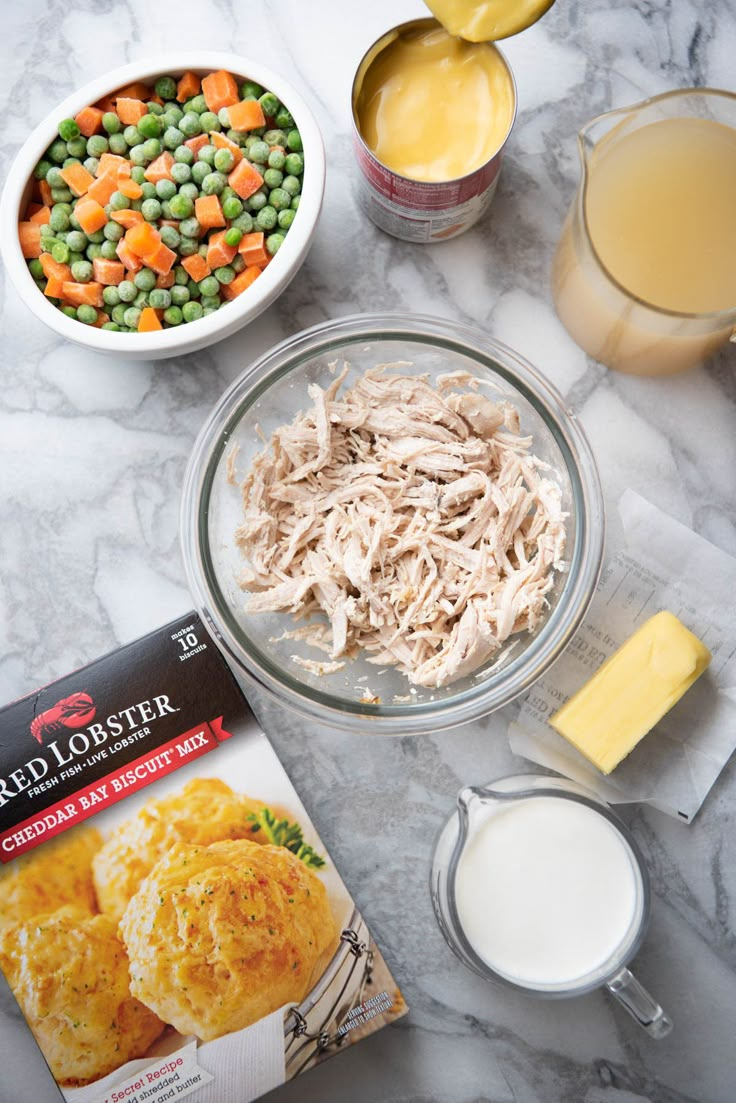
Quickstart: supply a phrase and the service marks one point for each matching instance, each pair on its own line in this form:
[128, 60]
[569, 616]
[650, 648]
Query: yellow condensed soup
[433, 107]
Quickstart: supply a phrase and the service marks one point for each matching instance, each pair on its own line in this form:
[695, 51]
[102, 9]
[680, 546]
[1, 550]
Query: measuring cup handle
[639, 1004]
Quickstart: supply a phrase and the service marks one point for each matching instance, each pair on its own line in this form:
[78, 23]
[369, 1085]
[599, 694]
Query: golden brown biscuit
[205, 811]
[219, 936]
[58, 873]
[69, 973]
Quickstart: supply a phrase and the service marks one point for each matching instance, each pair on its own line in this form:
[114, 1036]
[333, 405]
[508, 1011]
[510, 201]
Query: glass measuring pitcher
[644, 276]
[538, 886]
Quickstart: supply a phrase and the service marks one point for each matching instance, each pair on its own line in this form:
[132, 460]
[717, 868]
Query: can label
[417, 211]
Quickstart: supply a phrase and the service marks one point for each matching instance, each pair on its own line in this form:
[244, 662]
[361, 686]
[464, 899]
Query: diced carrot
[54, 287]
[100, 319]
[166, 279]
[127, 218]
[31, 209]
[160, 169]
[219, 252]
[125, 170]
[103, 188]
[142, 239]
[136, 91]
[89, 120]
[161, 259]
[219, 90]
[81, 294]
[221, 141]
[252, 249]
[195, 144]
[108, 272]
[155, 98]
[44, 191]
[149, 320]
[245, 179]
[168, 222]
[129, 259]
[241, 282]
[91, 215]
[77, 179]
[53, 269]
[208, 212]
[30, 239]
[110, 163]
[41, 215]
[196, 266]
[129, 187]
[107, 103]
[188, 86]
[130, 111]
[246, 115]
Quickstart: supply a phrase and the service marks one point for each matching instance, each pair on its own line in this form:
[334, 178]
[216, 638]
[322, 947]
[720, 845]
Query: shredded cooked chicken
[415, 518]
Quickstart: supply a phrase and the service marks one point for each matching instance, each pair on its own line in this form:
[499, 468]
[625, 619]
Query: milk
[548, 892]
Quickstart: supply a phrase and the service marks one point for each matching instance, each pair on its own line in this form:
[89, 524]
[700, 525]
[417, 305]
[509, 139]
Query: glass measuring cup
[610, 322]
[475, 806]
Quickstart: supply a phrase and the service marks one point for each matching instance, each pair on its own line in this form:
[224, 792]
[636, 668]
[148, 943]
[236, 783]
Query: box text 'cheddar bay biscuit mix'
[171, 925]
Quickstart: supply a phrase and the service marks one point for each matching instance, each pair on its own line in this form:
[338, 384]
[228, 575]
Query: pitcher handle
[639, 1004]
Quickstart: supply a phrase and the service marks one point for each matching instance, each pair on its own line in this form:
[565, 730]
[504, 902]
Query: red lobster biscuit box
[171, 925]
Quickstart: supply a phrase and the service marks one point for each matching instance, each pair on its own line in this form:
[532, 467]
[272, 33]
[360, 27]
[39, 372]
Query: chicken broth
[406, 521]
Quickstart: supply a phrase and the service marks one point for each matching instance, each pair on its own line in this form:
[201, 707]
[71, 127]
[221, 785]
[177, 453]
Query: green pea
[118, 145]
[127, 291]
[57, 151]
[292, 185]
[180, 173]
[190, 227]
[275, 138]
[286, 218]
[97, 145]
[155, 108]
[249, 90]
[165, 88]
[118, 312]
[138, 173]
[166, 209]
[170, 237]
[91, 164]
[86, 314]
[188, 246]
[189, 125]
[173, 114]
[173, 316]
[74, 257]
[179, 294]
[206, 154]
[274, 243]
[233, 236]
[77, 147]
[151, 210]
[210, 302]
[59, 219]
[145, 279]
[198, 104]
[181, 275]
[61, 195]
[210, 121]
[272, 178]
[132, 135]
[54, 179]
[294, 141]
[244, 222]
[137, 155]
[193, 289]
[239, 137]
[68, 129]
[276, 159]
[225, 274]
[151, 146]
[119, 202]
[173, 137]
[223, 117]
[191, 312]
[41, 169]
[212, 184]
[165, 189]
[231, 207]
[77, 241]
[209, 286]
[224, 160]
[269, 104]
[295, 203]
[141, 299]
[148, 190]
[181, 206]
[110, 325]
[93, 251]
[294, 164]
[110, 296]
[284, 119]
[132, 317]
[61, 252]
[189, 191]
[149, 126]
[82, 271]
[203, 250]
[199, 170]
[36, 268]
[257, 201]
[71, 161]
[267, 218]
[108, 250]
[159, 298]
[258, 153]
[70, 311]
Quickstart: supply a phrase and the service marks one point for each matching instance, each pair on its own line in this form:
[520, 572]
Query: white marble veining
[92, 453]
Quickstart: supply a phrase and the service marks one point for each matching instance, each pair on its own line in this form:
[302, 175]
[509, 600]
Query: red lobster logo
[74, 711]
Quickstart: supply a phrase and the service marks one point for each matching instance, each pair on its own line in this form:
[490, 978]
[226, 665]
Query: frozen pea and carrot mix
[158, 205]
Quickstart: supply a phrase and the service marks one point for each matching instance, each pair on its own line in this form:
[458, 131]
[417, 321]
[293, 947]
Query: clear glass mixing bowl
[268, 394]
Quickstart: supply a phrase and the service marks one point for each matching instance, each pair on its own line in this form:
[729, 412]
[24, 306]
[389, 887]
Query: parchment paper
[661, 564]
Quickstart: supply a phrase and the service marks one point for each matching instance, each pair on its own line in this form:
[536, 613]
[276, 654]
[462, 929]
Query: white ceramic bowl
[224, 322]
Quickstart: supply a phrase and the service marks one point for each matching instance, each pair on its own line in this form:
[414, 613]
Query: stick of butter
[632, 691]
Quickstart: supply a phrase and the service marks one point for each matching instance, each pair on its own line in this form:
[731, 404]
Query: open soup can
[429, 174]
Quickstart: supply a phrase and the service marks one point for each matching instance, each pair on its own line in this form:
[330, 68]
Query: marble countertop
[93, 450]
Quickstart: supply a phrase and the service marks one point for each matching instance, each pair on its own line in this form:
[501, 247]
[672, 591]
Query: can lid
[487, 20]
